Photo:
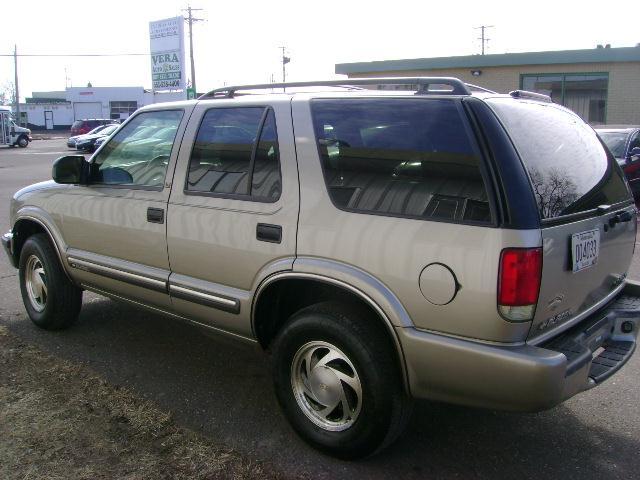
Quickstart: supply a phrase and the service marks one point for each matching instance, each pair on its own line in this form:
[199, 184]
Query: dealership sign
[167, 54]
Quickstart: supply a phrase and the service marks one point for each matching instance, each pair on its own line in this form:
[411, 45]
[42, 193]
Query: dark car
[87, 143]
[81, 127]
[624, 143]
[71, 141]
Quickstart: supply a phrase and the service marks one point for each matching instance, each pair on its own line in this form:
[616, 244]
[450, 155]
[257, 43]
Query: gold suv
[437, 241]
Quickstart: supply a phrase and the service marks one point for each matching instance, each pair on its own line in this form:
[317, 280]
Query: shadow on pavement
[223, 389]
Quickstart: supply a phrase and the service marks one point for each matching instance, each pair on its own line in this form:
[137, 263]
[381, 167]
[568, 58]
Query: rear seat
[404, 194]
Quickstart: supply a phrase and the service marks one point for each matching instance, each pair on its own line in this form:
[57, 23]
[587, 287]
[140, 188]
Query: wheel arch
[26, 226]
[271, 307]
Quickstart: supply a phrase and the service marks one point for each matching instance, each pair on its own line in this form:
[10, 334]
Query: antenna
[483, 38]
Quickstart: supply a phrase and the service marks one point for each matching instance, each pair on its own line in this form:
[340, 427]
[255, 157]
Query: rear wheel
[338, 382]
[51, 300]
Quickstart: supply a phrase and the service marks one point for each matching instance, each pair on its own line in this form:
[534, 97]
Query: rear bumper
[524, 377]
[7, 244]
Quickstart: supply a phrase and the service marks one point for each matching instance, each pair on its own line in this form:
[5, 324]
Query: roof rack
[479, 88]
[531, 95]
[457, 86]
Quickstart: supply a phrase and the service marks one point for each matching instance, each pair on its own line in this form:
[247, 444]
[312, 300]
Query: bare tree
[7, 93]
[554, 191]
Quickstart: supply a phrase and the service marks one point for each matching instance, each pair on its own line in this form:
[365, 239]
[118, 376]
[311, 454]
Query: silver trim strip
[237, 336]
[128, 277]
[222, 303]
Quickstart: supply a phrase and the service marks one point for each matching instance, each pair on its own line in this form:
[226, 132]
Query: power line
[483, 38]
[191, 20]
[74, 54]
[285, 60]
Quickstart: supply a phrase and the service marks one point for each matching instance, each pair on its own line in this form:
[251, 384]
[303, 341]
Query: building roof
[594, 55]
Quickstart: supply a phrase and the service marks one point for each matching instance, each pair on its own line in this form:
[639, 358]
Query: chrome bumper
[523, 377]
[7, 243]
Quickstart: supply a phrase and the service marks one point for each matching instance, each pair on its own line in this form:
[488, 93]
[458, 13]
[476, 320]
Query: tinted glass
[400, 157]
[615, 141]
[128, 159]
[221, 155]
[265, 183]
[569, 168]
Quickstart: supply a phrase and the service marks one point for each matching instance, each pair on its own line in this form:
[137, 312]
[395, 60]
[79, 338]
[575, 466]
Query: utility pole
[191, 20]
[17, 93]
[483, 38]
[285, 60]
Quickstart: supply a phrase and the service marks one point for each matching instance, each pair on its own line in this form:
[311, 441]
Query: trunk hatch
[579, 189]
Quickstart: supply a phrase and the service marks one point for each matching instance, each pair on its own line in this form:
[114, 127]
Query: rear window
[569, 168]
[400, 157]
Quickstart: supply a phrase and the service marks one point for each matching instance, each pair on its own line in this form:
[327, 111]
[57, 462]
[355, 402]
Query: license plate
[584, 249]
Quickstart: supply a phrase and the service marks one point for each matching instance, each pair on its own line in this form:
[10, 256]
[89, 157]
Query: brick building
[602, 85]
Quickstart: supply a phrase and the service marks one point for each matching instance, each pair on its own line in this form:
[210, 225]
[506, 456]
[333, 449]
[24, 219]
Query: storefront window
[122, 110]
[585, 94]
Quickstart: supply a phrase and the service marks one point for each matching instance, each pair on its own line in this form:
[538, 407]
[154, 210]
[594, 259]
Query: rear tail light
[519, 283]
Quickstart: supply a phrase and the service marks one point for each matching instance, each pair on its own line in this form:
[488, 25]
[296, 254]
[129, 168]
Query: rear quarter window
[569, 168]
[400, 157]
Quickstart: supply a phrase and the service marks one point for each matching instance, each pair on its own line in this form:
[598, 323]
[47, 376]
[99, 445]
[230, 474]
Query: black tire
[384, 408]
[63, 300]
[23, 142]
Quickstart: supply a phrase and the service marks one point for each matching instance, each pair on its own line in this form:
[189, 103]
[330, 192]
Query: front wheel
[23, 142]
[51, 300]
[337, 380]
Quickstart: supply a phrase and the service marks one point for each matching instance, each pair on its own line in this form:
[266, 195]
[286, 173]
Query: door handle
[620, 217]
[155, 215]
[269, 233]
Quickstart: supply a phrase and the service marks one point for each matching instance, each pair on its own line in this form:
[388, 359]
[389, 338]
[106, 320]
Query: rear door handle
[155, 215]
[620, 217]
[269, 233]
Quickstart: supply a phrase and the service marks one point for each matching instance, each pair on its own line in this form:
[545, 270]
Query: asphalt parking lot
[223, 390]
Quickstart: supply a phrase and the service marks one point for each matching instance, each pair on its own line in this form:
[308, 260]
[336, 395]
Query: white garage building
[58, 110]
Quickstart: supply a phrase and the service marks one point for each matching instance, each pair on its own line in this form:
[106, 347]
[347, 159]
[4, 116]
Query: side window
[635, 141]
[265, 184]
[138, 154]
[236, 153]
[400, 157]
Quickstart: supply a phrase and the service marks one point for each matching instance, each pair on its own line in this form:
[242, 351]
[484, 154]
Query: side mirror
[72, 169]
[635, 152]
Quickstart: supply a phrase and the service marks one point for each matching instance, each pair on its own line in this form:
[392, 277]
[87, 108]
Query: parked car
[82, 127]
[624, 143]
[86, 143]
[458, 246]
[71, 141]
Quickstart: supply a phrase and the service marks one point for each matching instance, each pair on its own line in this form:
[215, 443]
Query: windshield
[615, 141]
[569, 168]
[109, 130]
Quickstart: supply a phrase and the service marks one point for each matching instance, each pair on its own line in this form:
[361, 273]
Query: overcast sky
[238, 42]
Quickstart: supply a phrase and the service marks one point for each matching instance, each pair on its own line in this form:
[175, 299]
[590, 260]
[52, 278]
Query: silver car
[382, 245]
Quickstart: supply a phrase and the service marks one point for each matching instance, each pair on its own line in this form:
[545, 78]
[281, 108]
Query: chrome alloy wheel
[36, 283]
[326, 386]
